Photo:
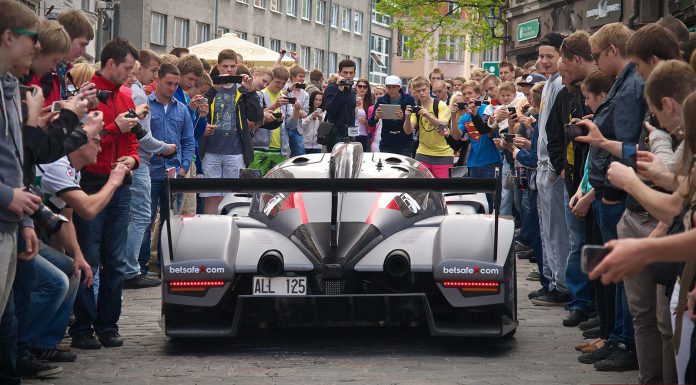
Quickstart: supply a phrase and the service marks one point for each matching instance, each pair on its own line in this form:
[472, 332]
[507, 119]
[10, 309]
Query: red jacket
[115, 144]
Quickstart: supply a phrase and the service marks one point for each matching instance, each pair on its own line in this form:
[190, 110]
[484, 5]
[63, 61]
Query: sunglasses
[361, 86]
[596, 56]
[33, 35]
[565, 47]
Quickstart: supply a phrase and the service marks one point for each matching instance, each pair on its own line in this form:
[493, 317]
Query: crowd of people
[593, 143]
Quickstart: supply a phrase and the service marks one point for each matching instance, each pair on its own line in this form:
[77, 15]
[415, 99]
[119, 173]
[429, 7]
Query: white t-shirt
[59, 177]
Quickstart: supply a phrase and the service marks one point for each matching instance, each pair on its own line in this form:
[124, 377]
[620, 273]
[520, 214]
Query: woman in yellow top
[433, 151]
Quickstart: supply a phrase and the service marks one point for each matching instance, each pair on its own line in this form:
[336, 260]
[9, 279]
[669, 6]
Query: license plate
[280, 285]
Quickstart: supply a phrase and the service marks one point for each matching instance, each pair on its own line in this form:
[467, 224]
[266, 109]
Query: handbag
[326, 133]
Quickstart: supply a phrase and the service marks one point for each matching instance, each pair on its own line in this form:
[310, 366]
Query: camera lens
[44, 217]
[103, 96]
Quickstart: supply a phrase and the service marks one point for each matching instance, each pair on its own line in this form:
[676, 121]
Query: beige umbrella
[254, 54]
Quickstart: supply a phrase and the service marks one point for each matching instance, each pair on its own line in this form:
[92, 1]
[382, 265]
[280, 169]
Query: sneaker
[54, 355]
[521, 248]
[110, 339]
[539, 293]
[85, 341]
[141, 281]
[589, 324]
[592, 333]
[575, 317]
[29, 367]
[621, 360]
[533, 276]
[598, 355]
[552, 298]
[584, 345]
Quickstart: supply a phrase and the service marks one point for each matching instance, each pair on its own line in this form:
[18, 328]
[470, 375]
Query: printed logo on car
[196, 270]
[469, 270]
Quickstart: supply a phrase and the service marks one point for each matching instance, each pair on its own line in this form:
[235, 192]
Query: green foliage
[464, 21]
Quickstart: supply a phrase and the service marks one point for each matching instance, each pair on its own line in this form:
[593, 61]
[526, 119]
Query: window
[334, 15]
[378, 17]
[243, 1]
[276, 5]
[450, 49]
[379, 59]
[319, 58]
[406, 54]
[305, 56]
[291, 8]
[357, 24]
[307, 9]
[290, 46]
[452, 8]
[358, 66]
[242, 35]
[202, 33]
[158, 29]
[321, 11]
[260, 4]
[259, 40]
[181, 32]
[222, 30]
[86, 4]
[345, 21]
[333, 62]
[275, 45]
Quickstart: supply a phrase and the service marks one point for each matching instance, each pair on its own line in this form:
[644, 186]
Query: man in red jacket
[103, 239]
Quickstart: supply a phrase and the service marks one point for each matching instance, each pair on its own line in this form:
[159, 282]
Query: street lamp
[493, 20]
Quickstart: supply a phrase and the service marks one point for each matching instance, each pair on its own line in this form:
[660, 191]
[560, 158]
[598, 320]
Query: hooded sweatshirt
[10, 149]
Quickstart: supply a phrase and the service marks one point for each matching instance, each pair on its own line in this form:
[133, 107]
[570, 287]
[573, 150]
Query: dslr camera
[415, 109]
[138, 130]
[346, 82]
[44, 217]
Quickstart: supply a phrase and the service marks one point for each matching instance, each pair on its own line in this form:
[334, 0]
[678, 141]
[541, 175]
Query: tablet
[389, 111]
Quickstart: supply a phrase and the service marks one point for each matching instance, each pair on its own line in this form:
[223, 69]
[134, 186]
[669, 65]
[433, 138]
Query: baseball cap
[531, 80]
[392, 80]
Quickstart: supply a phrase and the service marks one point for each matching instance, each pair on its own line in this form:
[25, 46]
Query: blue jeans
[506, 196]
[578, 284]
[158, 196]
[140, 219]
[296, 141]
[522, 201]
[608, 216]
[535, 235]
[487, 171]
[103, 242]
[8, 344]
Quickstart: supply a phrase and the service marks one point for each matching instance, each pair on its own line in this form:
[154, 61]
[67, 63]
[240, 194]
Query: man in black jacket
[339, 101]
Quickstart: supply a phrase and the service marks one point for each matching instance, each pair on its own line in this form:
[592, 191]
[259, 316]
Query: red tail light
[175, 286]
[487, 286]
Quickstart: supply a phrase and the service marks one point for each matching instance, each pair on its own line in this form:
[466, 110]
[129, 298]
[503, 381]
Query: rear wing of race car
[339, 185]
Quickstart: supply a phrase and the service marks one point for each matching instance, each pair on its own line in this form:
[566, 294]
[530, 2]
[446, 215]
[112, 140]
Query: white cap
[392, 80]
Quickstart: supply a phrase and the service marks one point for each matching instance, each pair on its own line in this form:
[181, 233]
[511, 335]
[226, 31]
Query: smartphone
[227, 79]
[461, 106]
[291, 100]
[478, 103]
[512, 110]
[301, 86]
[56, 106]
[591, 256]
[23, 91]
[572, 131]
[629, 155]
[509, 138]
[415, 109]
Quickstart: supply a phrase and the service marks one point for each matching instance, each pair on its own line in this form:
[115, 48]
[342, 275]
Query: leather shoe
[575, 317]
[85, 341]
[110, 339]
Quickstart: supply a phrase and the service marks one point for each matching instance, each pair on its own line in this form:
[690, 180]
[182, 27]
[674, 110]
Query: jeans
[296, 141]
[8, 344]
[608, 216]
[103, 242]
[554, 232]
[53, 294]
[506, 196]
[522, 201]
[158, 195]
[487, 171]
[140, 219]
[535, 235]
[578, 283]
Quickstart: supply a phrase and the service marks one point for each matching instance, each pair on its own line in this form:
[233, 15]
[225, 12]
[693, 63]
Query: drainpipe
[634, 15]
[367, 58]
[328, 36]
[215, 19]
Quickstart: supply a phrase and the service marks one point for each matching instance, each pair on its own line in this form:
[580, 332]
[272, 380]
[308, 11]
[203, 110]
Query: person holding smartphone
[295, 112]
[310, 124]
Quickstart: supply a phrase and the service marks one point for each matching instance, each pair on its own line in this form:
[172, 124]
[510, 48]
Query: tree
[462, 24]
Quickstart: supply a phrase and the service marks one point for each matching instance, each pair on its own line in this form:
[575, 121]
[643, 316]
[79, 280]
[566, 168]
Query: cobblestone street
[540, 353]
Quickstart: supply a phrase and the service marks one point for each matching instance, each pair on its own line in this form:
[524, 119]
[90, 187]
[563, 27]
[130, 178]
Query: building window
[321, 11]
[319, 59]
[307, 9]
[357, 24]
[452, 8]
[333, 62]
[202, 33]
[276, 5]
[181, 32]
[243, 1]
[345, 20]
[242, 35]
[406, 54]
[275, 45]
[305, 56]
[379, 18]
[260, 4]
[379, 58]
[291, 8]
[259, 40]
[334, 15]
[358, 66]
[451, 49]
[86, 5]
[222, 30]
[290, 46]
[158, 29]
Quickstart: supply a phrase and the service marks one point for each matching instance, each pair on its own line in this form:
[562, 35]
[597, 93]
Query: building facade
[322, 32]
[529, 20]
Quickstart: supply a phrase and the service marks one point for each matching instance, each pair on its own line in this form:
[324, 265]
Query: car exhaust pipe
[397, 264]
[271, 264]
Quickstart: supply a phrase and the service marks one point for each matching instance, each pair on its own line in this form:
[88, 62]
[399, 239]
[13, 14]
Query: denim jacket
[173, 126]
